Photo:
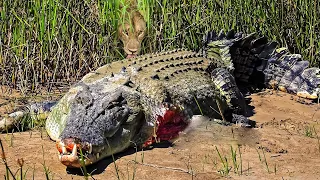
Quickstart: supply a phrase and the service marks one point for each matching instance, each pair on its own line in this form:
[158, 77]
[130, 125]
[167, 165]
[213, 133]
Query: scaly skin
[256, 62]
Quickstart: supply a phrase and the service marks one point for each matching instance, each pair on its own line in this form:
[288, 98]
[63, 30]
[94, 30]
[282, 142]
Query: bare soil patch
[285, 143]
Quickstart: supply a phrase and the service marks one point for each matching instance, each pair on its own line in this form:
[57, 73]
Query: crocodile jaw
[75, 155]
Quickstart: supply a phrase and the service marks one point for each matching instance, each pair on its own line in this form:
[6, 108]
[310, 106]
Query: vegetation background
[52, 43]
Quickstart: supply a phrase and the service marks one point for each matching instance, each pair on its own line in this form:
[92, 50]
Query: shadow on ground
[101, 165]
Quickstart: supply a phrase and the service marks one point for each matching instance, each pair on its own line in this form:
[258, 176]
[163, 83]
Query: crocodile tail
[34, 112]
[256, 62]
[217, 47]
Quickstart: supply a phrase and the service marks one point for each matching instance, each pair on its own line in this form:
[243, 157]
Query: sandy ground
[284, 145]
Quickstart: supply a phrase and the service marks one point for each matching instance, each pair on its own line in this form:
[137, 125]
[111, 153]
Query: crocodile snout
[74, 153]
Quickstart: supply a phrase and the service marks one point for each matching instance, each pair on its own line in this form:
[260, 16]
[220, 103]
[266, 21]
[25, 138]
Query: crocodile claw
[241, 120]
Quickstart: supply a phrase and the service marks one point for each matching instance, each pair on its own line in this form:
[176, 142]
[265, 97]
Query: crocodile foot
[242, 121]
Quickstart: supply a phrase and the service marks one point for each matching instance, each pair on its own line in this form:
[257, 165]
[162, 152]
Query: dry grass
[52, 43]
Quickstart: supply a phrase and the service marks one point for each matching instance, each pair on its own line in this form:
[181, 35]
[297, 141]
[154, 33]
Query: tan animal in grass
[132, 29]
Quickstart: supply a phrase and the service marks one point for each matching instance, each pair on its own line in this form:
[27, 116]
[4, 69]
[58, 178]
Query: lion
[132, 30]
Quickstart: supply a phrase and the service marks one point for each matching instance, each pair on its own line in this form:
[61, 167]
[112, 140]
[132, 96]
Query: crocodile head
[101, 121]
[131, 31]
[106, 116]
[107, 123]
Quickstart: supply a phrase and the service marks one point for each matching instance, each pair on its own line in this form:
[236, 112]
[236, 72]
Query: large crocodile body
[153, 97]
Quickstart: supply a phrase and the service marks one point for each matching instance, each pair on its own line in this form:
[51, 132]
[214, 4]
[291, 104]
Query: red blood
[59, 148]
[69, 147]
[168, 116]
[169, 127]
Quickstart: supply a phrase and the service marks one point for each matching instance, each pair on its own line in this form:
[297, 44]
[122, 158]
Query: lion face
[132, 32]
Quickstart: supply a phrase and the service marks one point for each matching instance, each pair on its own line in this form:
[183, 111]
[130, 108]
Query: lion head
[132, 31]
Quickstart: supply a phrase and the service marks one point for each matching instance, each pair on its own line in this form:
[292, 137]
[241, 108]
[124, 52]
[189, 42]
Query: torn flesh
[168, 126]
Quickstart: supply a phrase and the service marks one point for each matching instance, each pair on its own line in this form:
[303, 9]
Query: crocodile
[150, 98]
[153, 97]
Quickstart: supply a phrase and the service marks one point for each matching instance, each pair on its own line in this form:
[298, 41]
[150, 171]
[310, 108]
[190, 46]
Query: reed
[52, 43]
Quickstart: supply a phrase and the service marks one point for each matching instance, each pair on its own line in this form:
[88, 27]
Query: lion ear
[130, 4]
[142, 14]
[133, 4]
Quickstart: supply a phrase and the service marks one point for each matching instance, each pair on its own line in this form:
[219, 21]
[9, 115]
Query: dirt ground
[284, 145]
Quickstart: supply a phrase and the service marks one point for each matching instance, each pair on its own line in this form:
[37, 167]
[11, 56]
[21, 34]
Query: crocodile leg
[228, 91]
[221, 70]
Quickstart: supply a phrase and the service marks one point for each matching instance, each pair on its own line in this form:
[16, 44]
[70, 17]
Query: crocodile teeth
[90, 148]
[63, 147]
[64, 150]
[74, 150]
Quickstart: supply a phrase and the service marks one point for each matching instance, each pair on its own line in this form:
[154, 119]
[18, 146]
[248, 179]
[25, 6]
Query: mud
[284, 145]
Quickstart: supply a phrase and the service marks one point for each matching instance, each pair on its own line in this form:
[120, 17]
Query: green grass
[19, 174]
[226, 168]
[264, 159]
[50, 43]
